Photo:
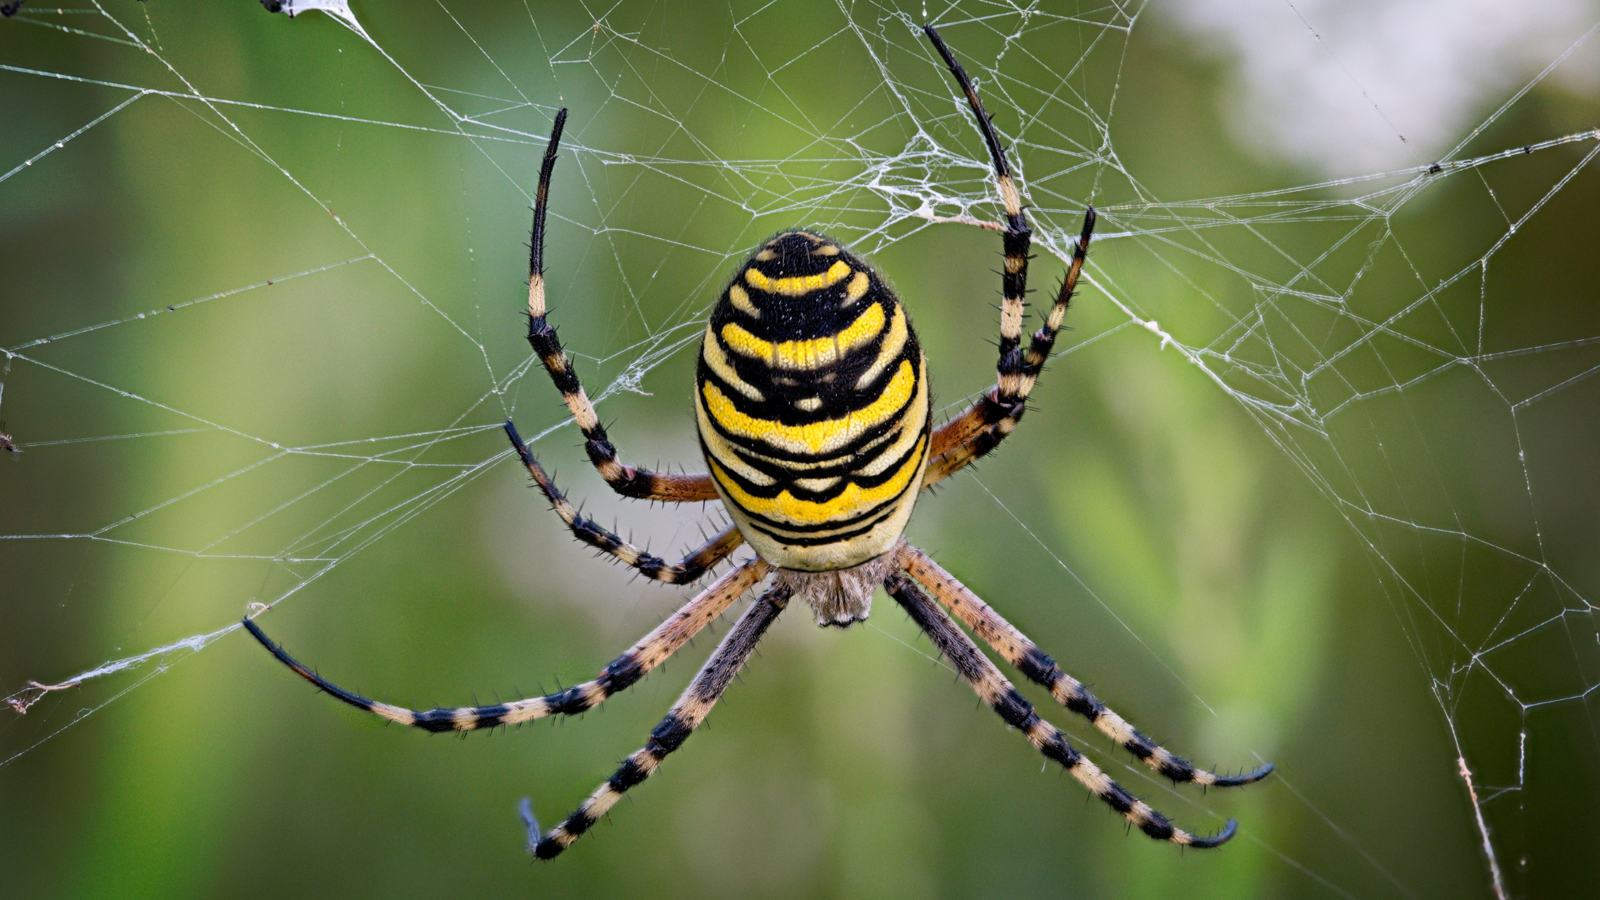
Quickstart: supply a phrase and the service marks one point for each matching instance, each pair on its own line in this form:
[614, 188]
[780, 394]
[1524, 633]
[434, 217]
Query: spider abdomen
[812, 404]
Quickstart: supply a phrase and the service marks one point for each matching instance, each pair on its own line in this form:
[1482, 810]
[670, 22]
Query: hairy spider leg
[624, 479]
[1038, 667]
[987, 422]
[686, 715]
[587, 530]
[651, 651]
[991, 418]
[993, 688]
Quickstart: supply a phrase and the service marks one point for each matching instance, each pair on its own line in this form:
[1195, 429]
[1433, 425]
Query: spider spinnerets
[812, 407]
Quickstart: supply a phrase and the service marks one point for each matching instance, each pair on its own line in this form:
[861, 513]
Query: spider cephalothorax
[811, 401]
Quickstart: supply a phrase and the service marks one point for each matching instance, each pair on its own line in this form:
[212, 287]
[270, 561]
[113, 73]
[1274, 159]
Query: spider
[812, 407]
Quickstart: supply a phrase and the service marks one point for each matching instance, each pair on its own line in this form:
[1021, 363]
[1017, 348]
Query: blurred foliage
[1140, 525]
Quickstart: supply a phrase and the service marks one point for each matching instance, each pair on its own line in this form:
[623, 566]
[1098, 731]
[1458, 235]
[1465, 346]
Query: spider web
[1315, 467]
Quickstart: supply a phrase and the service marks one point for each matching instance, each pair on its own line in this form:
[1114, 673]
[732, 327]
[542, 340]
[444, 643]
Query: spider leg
[686, 715]
[624, 479]
[995, 690]
[651, 651]
[988, 421]
[1039, 668]
[589, 531]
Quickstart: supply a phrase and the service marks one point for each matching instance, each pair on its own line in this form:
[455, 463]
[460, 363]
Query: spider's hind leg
[987, 422]
[626, 480]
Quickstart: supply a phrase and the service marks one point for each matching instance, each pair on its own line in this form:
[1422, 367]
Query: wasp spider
[812, 406]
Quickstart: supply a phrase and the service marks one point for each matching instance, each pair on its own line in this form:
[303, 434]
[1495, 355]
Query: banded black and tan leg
[626, 480]
[651, 651]
[686, 715]
[1016, 711]
[1038, 667]
[988, 421]
[590, 532]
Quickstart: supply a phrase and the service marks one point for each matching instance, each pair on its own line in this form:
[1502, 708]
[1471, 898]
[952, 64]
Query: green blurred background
[1360, 592]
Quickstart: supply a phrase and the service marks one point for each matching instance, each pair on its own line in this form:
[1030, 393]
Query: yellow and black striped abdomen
[812, 405]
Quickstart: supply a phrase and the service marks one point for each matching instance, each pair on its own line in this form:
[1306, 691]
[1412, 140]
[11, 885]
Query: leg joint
[669, 735]
[601, 452]
[571, 701]
[542, 337]
[621, 674]
[1014, 708]
[1038, 667]
[629, 775]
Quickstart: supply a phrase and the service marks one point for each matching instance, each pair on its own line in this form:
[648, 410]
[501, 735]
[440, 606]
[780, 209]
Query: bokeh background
[259, 294]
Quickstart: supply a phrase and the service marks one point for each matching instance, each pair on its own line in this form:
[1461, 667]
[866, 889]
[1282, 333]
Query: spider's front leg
[686, 715]
[1016, 711]
[651, 651]
[589, 531]
[626, 480]
[988, 421]
[1039, 668]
